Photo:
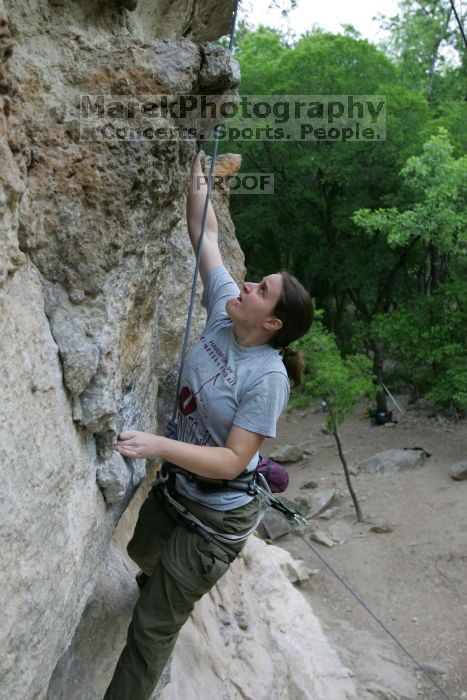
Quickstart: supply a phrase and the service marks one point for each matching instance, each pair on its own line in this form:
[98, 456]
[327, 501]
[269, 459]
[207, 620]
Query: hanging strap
[221, 536]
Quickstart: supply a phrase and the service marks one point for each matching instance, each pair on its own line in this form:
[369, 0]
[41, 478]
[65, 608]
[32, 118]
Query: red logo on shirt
[186, 401]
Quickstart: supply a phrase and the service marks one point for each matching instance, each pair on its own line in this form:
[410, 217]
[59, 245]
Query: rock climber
[234, 385]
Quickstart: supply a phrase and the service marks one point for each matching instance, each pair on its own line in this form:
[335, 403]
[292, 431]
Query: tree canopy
[374, 229]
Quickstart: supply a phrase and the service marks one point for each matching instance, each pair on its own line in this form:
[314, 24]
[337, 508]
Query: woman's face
[256, 303]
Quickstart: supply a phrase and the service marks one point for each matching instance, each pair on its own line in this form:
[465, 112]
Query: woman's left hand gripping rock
[138, 445]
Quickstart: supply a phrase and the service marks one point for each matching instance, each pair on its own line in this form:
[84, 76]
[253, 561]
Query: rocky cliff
[95, 272]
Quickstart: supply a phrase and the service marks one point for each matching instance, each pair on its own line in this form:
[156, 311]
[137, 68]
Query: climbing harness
[252, 483]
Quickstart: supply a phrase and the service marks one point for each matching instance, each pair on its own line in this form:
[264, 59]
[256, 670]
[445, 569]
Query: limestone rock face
[95, 274]
[253, 636]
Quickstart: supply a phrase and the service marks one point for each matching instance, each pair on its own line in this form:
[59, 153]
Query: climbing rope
[186, 339]
[380, 623]
[171, 430]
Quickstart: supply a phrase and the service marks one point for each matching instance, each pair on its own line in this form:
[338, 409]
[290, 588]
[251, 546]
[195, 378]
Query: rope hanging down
[171, 427]
[200, 242]
[380, 623]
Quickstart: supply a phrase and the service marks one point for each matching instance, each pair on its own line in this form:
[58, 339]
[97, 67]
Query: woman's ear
[272, 324]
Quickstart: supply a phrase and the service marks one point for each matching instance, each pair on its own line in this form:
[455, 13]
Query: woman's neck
[249, 339]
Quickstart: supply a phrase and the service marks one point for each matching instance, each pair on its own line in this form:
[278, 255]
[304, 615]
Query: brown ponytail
[294, 364]
[295, 310]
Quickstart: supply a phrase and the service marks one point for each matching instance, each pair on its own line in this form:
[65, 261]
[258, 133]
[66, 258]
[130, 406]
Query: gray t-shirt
[224, 384]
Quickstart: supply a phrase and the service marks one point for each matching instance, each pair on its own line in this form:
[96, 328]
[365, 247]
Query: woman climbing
[234, 386]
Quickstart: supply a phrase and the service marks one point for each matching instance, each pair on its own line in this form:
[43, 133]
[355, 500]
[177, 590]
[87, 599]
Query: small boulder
[297, 571]
[312, 504]
[288, 453]
[459, 470]
[382, 529]
[310, 484]
[340, 531]
[322, 537]
[329, 513]
[391, 461]
[274, 525]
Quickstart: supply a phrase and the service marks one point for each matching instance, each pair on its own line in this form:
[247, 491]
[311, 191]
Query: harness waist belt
[246, 481]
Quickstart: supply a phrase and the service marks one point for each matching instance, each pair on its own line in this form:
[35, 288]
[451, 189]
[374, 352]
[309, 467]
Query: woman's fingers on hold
[127, 452]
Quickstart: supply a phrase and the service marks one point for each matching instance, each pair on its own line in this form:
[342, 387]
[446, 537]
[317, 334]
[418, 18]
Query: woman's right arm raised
[210, 254]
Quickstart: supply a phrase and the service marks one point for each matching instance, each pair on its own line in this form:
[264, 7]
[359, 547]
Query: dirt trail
[414, 578]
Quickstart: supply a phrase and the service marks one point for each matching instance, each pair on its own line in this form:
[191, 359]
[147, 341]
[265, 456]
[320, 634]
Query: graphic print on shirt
[220, 360]
[192, 408]
[190, 428]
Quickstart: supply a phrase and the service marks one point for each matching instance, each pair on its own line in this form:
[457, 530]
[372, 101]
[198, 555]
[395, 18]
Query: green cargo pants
[182, 567]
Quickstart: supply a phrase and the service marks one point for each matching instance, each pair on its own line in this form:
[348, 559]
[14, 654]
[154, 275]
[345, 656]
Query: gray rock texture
[459, 470]
[311, 504]
[95, 274]
[391, 461]
[288, 453]
[239, 642]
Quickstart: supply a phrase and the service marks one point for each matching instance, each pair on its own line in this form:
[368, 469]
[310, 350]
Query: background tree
[425, 42]
[359, 277]
[428, 330]
[342, 382]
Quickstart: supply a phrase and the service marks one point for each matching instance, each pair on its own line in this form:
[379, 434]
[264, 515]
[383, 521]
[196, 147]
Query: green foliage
[427, 332]
[438, 216]
[426, 45]
[452, 116]
[342, 381]
[373, 230]
[306, 226]
[428, 338]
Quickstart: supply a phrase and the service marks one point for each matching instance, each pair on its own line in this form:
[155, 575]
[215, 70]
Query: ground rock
[288, 453]
[310, 484]
[329, 513]
[314, 503]
[459, 470]
[274, 525]
[391, 461]
[382, 529]
[422, 406]
[340, 531]
[319, 535]
[379, 670]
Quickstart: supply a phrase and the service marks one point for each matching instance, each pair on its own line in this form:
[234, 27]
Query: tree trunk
[434, 57]
[436, 265]
[347, 477]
